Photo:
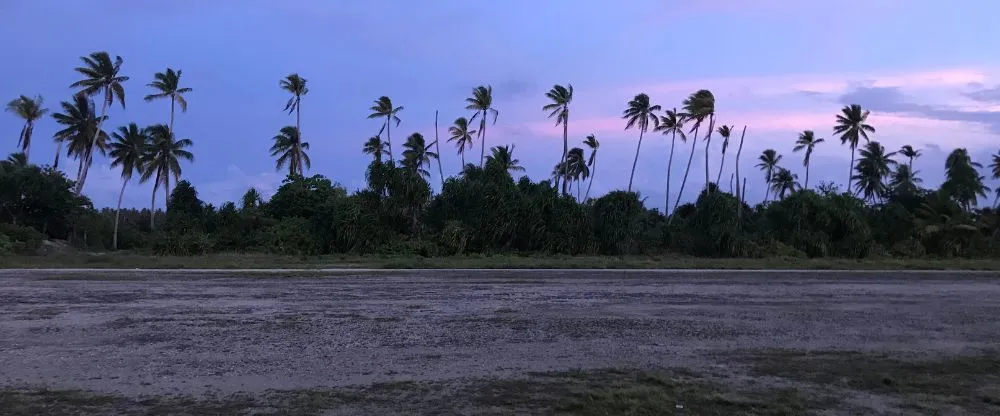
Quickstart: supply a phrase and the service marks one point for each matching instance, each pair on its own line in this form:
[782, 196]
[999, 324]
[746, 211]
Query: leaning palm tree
[725, 132]
[640, 114]
[29, 110]
[560, 97]
[167, 85]
[873, 167]
[383, 109]
[672, 123]
[295, 85]
[290, 150]
[698, 107]
[100, 78]
[592, 143]
[852, 126]
[783, 181]
[807, 141]
[162, 160]
[481, 102]
[81, 122]
[128, 146]
[503, 158]
[418, 154]
[462, 136]
[909, 153]
[375, 147]
[769, 160]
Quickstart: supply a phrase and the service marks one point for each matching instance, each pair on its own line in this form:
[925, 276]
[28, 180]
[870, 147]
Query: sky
[924, 68]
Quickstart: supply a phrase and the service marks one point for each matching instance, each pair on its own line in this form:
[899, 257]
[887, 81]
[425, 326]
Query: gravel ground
[167, 332]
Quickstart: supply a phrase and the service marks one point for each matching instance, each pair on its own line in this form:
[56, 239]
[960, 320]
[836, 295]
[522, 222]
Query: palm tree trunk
[850, 172]
[636, 160]
[482, 139]
[767, 185]
[722, 163]
[807, 175]
[708, 142]
[738, 152]
[437, 148]
[298, 131]
[93, 141]
[118, 211]
[593, 173]
[463, 161]
[27, 140]
[152, 205]
[166, 192]
[388, 137]
[55, 165]
[694, 142]
[565, 144]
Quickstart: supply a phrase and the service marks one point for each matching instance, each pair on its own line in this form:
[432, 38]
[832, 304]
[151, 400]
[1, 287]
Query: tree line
[485, 209]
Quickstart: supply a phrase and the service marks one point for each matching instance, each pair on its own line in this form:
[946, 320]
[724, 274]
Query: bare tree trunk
[593, 173]
[722, 163]
[738, 152]
[708, 142]
[694, 142]
[114, 239]
[437, 148]
[636, 161]
[565, 147]
[670, 169]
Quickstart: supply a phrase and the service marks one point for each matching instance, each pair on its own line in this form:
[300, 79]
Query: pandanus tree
[128, 147]
[591, 143]
[560, 98]
[82, 133]
[290, 150]
[162, 160]
[852, 126]
[168, 85]
[639, 114]
[101, 77]
[768, 162]
[296, 86]
[30, 110]
[725, 132]
[383, 108]
[700, 106]
[418, 154]
[807, 141]
[872, 169]
[962, 180]
[910, 154]
[481, 102]
[672, 124]
[503, 158]
[462, 136]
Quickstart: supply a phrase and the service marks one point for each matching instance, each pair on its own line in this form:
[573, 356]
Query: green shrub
[181, 244]
[24, 240]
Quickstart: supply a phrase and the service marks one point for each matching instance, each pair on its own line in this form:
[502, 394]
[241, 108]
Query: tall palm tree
[100, 78]
[807, 141]
[128, 146]
[29, 110]
[82, 132]
[783, 181]
[375, 147]
[295, 85]
[962, 180]
[873, 168]
[909, 153]
[592, 143]
[769, 160]
[560, 98]
[162, 160]
[576, 168]
[383, 109]
[437, 149]
[700, 106]
[852, 126]
[639, 113]
[725, 132]
[418, 154]
[462, 136]
[672, 123]
[503, 157]
[167, 85]
[481, 102]
[290, 150]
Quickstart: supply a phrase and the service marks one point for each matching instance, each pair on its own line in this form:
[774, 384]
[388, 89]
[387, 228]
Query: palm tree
[462, 136]
[290, 150]
[81, 123]
[852, 126]
[127, 150]
[639, 113]
[296, 86]
[783, 181]
[769, 160]
[995, 168]
[807, 141]
[437, 149]
[904, 180]
[167, 85]
[162, 160]
[909, 153]
[698, 107]
[417, 154]
[672, 123]
[725, 132]
[481, 102]
[873, 168]
[576, 168]
[503, 158]
[29, 110]
[14, 161]
[375, 147]
[100, 78]
[559, 108]
[592, 143]
[962, 180]
[383, 108]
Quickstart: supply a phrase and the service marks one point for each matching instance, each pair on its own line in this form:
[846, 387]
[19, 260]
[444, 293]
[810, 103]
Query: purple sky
[777, 66]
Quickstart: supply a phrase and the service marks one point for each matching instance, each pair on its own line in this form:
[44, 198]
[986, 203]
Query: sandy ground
[141, 332]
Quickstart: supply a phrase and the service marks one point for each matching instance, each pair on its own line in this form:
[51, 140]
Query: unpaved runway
[138, 332]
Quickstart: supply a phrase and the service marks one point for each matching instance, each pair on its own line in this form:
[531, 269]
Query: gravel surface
[144, 332]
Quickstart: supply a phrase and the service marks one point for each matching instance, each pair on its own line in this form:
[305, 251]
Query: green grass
[264, 261]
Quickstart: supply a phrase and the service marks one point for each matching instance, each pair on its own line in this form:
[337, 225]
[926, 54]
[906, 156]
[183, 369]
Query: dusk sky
[928, 71]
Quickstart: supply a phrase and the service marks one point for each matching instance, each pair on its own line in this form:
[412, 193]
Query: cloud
[237, 182]
[892, 100]
[987, 95]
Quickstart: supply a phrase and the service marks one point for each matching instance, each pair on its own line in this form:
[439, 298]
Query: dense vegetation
[486, 208]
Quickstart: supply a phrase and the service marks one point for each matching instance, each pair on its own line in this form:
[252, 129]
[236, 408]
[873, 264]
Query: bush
[6, 246]
[181, 244]
[24, 240]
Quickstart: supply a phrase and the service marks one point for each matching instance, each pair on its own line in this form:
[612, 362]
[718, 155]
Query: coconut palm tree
[503, 158]
[162, 160]
[128, 146]
[418, 154]
[167, 85]
[592, 143]
[872, 169]
[852, 126]
[100, 78]
[481, 102]
[769, 160]
[904, 180]
[909, 153]
[639, 113]
[962, 180]
[29, 110]
[290, 150]
[560, 98]
[375, 147]
[700, 106]
[383, 109]
[807, 141]
[995, 170]
[462, 136]
[295, 85]
[672, 123]
[576, 168]
[725, 132]
[783, 181]
[81, 122]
